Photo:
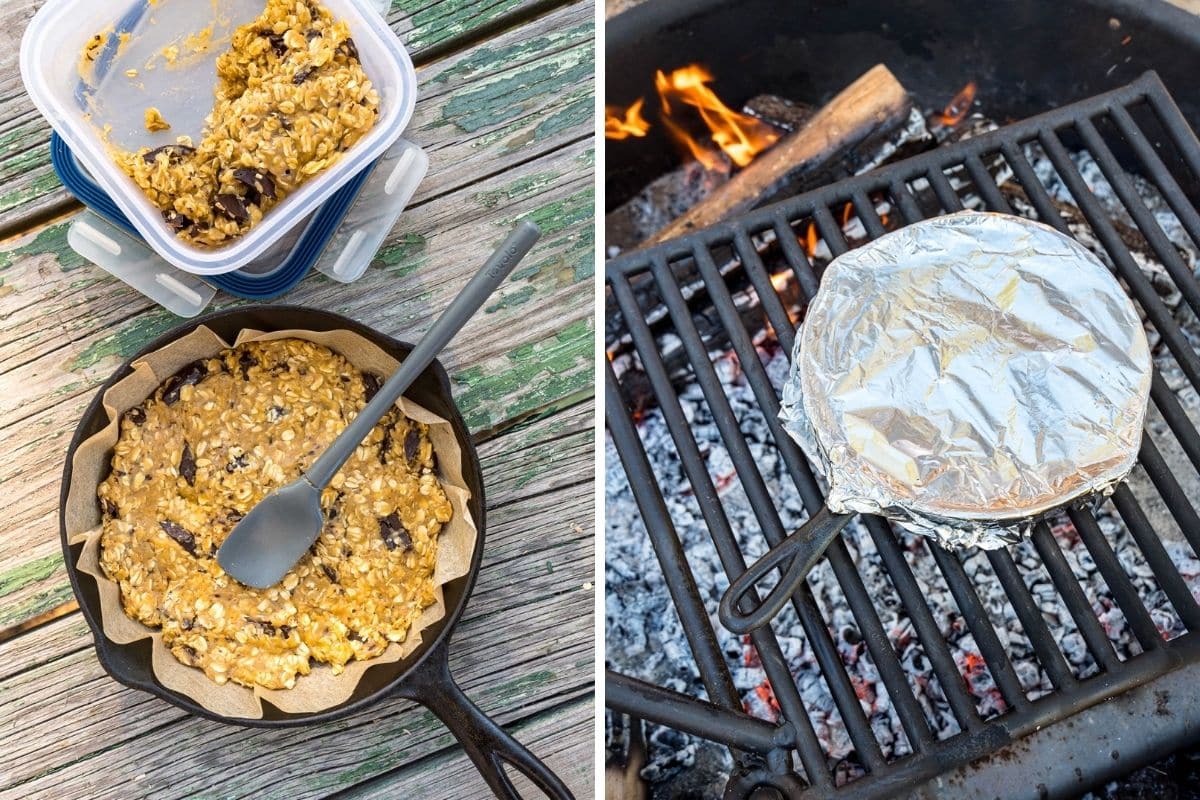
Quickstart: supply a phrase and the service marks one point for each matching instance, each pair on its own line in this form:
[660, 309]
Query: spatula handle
[447, 326]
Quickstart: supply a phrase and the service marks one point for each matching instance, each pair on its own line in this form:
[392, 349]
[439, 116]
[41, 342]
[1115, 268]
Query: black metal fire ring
[948, 767]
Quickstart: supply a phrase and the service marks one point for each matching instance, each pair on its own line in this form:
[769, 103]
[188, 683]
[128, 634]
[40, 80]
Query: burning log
[873, 106]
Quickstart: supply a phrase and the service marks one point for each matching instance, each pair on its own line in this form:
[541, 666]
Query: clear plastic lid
[50, 52]
[346, 256]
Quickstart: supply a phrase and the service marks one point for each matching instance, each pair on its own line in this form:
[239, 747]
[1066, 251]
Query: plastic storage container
[50, 53]
[339, 239]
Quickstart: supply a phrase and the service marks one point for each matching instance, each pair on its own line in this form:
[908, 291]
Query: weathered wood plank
[525, 645]
[502, 370]
[550, 453]
[29, 187]
[562, 738]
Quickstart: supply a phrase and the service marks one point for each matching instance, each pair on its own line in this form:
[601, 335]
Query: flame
[740, 137]
[847, 210]
[810, 241]
[956, 110]
[780, 280]
[622, 123]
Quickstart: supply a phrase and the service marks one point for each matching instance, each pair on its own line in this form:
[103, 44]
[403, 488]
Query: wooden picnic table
[506, 114]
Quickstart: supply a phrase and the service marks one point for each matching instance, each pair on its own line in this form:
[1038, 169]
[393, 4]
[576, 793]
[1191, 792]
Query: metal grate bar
[1032, 623]
[1157, 171]
[987, 187]
[1116, 177]
[763, 240]
[945, 192]
[1156, 556]
[796, 257]
[1042, 204]
[1151, 304]
[856, 596]
[1074, 599]
[1118, 582]
[980, 626]
[682, 585]
[631, 696]
[1177, 501]
[734, 564]
[1176, 127]
[1177, 419]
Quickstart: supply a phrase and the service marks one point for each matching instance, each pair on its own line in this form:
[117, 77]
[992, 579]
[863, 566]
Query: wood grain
[66, 325]
[874, 103]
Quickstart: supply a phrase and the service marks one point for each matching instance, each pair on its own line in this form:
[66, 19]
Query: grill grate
[764, 752]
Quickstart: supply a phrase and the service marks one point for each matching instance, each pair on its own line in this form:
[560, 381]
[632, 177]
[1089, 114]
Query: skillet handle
[489, 746]
[802, 549]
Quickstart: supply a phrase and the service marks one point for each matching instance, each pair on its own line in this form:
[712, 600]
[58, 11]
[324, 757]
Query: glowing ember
[780, 280]
[847, 210]
[956, 110]
[622, 123]
[740, 137]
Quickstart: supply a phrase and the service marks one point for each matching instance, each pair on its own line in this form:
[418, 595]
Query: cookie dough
[291, 98]
[210, 443]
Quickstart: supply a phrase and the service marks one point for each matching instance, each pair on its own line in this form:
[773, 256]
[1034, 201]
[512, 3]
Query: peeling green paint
[38, 187]
[29, 573]
[440, 21]
[51, 240]
[524, 186]
[509, 96]
[520, 296]
[524, 684]
[531, 377]
[487, 57]
[38, 603]
[404, 255]
[127, 340]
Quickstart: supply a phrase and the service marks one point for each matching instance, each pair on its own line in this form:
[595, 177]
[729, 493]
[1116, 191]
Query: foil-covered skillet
[965, 377]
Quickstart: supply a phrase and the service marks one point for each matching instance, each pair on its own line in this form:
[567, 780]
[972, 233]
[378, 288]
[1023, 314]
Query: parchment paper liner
[320, 689]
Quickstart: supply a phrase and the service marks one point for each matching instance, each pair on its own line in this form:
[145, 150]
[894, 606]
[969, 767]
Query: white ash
[645, 638]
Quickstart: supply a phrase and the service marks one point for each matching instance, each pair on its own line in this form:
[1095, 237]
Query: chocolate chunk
[348, 49]
[355, 636]
[303, 74]
[257, 181]
[312, 34]
[276, 413]
[277, 43]
[329, 573]
[186, 624]
[269, 629]
[110, 508]
[233, 516]
[187, 465]
[394, 533]
[385, 444]
[174, 153]
[232, 207]
[285, 631]
[190, 375]
[241, 462]
[246, 361]
[176, 221]
[371, 384]
[412, 444]
[136, 415]
[346, 551]
[191, 653]
[180, 534]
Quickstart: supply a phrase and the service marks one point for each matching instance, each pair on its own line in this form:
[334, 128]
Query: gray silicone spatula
[279, 530]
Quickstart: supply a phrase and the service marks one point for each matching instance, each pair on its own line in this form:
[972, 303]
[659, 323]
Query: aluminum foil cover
[968, 375]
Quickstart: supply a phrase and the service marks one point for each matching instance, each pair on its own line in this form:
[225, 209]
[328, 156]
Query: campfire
[873, 122]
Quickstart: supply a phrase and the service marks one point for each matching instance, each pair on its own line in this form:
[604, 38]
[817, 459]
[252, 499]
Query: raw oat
[291, 97]
[212, 441]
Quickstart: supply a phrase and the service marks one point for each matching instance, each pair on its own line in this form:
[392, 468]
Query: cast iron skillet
[425, 675]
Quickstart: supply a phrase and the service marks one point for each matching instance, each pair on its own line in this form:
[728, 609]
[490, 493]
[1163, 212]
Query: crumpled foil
[968, 375]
